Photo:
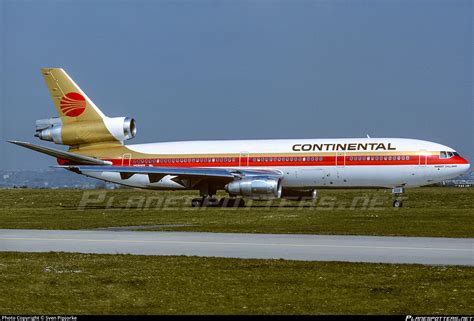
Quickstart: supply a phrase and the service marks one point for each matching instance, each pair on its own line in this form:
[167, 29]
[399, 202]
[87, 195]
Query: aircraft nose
[465, 167]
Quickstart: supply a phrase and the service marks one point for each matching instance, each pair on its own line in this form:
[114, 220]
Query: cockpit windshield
[444, 155]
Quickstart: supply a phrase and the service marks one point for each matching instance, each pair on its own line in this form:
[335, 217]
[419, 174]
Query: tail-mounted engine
[86, 132]
[256, 187]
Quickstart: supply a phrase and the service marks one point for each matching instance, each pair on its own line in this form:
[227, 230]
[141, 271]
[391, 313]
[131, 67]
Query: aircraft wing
[187, 176]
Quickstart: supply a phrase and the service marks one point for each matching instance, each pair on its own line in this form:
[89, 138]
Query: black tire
[222, 202]
[196, 202]
[210, 202]
[397, 203]
[227, 202]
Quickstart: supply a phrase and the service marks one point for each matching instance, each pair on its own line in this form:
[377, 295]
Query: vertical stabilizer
[71, 102]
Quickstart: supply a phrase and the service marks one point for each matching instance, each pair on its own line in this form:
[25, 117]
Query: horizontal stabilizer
[80, 159]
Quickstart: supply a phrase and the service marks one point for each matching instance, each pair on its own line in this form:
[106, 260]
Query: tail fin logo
[73, 104]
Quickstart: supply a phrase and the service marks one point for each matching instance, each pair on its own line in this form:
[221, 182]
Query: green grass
[59, 283]
[445, 212]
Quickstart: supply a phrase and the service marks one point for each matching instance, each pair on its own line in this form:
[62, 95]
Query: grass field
[58, 283]
[445, 212]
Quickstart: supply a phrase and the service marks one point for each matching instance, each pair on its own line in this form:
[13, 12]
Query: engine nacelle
[256, 187]
[299, 195]
[86, 132]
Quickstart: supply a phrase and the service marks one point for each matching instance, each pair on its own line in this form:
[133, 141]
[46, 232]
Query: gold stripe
[116, 151]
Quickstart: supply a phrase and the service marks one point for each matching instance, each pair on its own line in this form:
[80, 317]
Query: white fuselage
[304, 163]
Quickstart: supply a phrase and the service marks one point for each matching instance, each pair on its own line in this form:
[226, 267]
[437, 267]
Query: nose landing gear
[397, 192]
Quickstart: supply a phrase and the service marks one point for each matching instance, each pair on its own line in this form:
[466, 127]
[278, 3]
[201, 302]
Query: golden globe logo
[73, 104]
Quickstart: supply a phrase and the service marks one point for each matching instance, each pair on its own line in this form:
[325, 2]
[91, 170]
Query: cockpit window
[444, 155]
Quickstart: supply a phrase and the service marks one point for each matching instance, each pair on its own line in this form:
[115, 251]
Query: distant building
[50, 179]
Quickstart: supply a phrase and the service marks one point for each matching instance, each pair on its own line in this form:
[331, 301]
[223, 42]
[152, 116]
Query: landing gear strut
[206, 200]
[397, 192]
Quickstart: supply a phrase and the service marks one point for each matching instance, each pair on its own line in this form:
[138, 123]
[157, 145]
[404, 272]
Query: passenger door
[423, 158]
[340, 164]
[126, 159]
[244, 159]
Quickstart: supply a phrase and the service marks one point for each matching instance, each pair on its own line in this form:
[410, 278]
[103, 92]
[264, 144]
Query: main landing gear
[208, 201]
[397, 192]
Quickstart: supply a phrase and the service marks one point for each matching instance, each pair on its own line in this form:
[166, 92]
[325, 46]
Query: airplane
[252, 169]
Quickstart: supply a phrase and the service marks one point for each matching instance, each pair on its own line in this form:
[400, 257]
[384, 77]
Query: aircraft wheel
[231, 202]
[227, 202]
[196, 202]
[210, 202]
[397, 203]
[240, 202]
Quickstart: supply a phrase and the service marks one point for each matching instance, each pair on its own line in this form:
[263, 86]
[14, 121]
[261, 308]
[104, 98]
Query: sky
[202, 69]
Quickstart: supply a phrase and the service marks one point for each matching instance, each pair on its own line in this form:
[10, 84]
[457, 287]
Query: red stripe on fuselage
[271, 161]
